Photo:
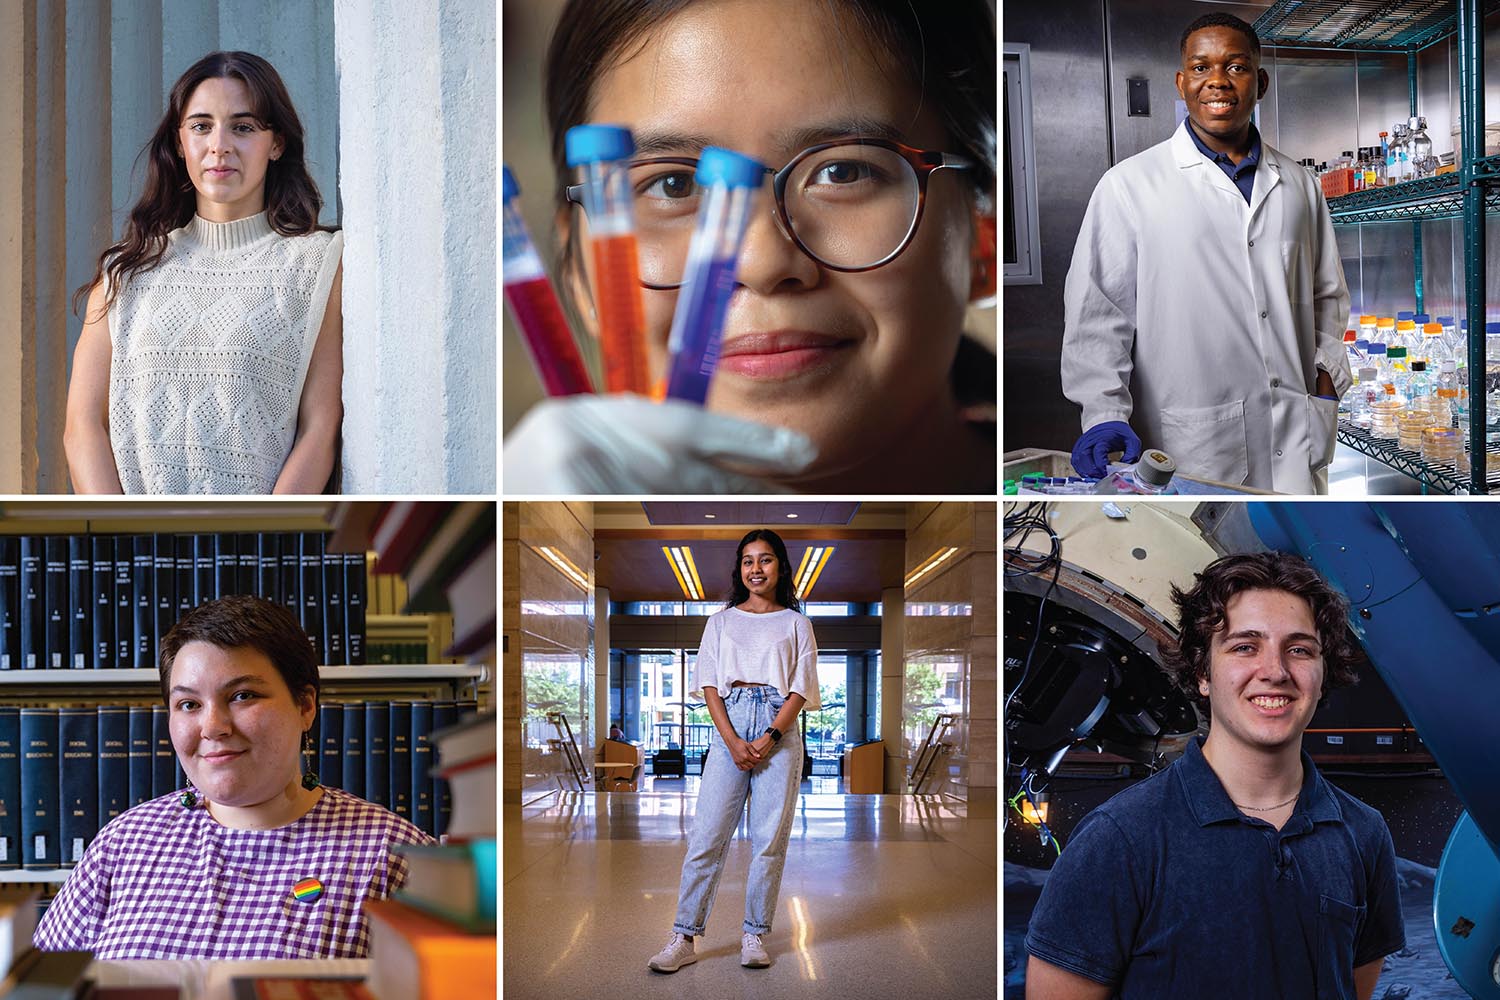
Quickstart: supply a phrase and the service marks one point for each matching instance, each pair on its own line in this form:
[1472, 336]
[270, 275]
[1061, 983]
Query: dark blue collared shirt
[1168, 890]
[1243, 173]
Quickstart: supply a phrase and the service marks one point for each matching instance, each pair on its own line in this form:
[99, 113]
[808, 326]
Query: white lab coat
[1202, 321]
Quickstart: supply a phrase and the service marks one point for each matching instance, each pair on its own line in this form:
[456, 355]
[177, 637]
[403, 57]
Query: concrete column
[892, 685]
[50, 259]
[17, 234]
[417, 178]
[135, 33]
[601, 663]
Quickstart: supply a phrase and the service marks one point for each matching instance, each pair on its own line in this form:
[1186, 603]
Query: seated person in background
[616, 733]
[254, 860]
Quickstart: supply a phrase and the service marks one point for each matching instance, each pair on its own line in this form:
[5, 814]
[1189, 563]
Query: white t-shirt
[777, 648]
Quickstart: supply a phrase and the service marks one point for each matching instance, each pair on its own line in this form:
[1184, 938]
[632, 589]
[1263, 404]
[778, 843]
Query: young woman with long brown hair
[211, 354]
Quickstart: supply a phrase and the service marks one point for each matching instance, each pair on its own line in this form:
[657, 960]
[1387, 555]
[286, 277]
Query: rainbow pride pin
[307, 890]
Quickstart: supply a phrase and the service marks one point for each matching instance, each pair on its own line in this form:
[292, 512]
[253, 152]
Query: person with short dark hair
[615, 732]
[254, 859]
[1238, 871]
[1205, 306]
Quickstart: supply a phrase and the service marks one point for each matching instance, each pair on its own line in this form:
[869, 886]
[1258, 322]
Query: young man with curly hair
[1238, 871]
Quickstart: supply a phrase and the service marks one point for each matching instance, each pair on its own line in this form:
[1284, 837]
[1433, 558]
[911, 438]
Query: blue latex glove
[1091, 451]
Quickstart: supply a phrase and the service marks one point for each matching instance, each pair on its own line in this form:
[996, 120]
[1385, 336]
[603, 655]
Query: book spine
[10, 602]
[354, 748]
[203, 569]
[331, 744]
[114, 762]
[421, 766]
[124, 602]
[140, 754]
[378, 752]
[143, 570]
[10, 787]
[80, 603]
[58, 608]
[398, 745]
[226, 565]
[444, 714]
[163, 759]
[335, 618]
[268, 567]
[248, 556]
[356, 601]
[39, 788]
[164, 584]
[78, 734]
[290, 586]
[185, 586]
[32, 603]
[102, 548]
[310, 558]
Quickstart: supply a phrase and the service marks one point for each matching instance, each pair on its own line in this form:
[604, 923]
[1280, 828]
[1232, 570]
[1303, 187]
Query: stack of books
[435, 939]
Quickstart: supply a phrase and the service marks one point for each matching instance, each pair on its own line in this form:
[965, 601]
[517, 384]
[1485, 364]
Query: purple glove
[1091, 451]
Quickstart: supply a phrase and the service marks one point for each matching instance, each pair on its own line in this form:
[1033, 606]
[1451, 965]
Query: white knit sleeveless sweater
[210, 350]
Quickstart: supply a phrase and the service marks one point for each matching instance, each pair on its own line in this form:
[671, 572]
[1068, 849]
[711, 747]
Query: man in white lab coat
[1206, 305]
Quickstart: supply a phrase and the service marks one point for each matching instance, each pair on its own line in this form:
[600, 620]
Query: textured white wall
[417, 178]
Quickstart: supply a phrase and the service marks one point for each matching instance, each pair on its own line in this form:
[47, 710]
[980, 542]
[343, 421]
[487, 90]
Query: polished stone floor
[883, 896]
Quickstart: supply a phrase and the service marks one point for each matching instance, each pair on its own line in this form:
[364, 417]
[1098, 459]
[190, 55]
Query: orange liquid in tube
[622, 317]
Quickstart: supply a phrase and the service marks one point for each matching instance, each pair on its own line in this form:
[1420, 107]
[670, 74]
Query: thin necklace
[1262, 809]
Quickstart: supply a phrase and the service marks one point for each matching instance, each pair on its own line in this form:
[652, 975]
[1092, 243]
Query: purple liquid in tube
[707, 305]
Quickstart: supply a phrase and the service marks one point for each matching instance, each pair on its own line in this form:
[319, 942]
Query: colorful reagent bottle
[603, 152]
[533, 304]
[728, 181]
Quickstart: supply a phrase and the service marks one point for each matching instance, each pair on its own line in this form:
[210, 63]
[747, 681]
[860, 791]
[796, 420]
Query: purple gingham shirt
[165, 881]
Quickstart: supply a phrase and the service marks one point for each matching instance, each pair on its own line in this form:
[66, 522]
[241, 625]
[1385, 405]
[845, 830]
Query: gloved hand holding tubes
[625, 444]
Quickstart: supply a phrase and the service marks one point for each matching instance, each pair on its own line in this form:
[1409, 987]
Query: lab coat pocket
[1322, 431]
[1338, 928]
[1208, 442]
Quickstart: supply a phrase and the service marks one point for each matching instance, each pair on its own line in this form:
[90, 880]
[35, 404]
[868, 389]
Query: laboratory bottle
[1151, 475]
[1372, 175]
[1400, 382]
[1406, 333]
[1419, 388]
[1383, 164]
[601, 154]
[1400, 163]
[1367, 327]
[1421, 148]
[1421, 319]
[1357, 181]
[1434, 347]
[1385, 331]
[1351, 341]
[1365, 392]
[1379, 362]
[1445, 394]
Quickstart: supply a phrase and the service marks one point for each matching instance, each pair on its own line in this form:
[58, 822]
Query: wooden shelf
[46, 876]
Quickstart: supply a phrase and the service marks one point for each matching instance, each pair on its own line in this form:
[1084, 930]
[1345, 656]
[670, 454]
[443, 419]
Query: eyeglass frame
[922, 161]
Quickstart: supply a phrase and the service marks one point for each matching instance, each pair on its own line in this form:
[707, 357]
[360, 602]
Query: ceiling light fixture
[814, 558]
[929, 564]
[680, 558]
[564, 565]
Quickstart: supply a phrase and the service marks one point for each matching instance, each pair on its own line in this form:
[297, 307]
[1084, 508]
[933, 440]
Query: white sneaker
[677, 953]
[753, 952]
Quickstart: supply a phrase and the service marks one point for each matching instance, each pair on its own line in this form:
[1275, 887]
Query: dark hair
[168, 200]
[786, 592]
[244, 622]
[1202, 612]
[1222, 21]
[949, 57]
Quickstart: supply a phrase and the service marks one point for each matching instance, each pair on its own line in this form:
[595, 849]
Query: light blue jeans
[771, 788]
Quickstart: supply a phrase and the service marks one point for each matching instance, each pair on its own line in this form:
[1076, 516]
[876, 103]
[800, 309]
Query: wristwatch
[774, 733]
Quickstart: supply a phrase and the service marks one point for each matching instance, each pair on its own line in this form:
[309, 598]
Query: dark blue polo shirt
[1168, 890]
[1243, 173]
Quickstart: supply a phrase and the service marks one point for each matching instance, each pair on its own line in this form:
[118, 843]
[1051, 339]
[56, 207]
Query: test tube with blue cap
[533, 303]
[729, 181]
[603, 153]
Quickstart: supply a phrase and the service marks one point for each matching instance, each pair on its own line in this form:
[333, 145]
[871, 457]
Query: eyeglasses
[852, 205]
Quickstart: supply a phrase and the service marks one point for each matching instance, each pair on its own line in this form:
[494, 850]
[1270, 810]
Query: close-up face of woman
[858, 361]
[235, 726]
[227, 149]
[760, 569]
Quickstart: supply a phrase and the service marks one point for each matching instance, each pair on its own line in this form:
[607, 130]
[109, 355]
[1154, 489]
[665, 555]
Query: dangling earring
[188, 799]
[310, 777]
